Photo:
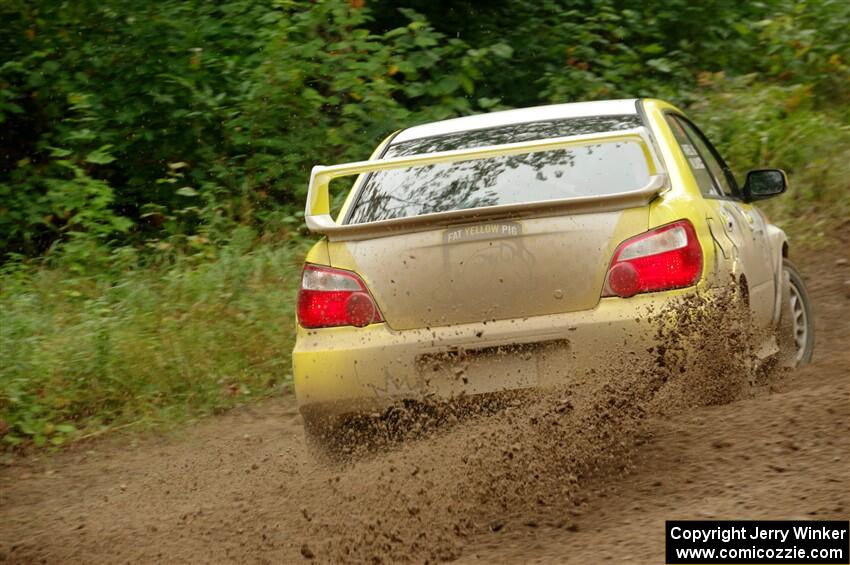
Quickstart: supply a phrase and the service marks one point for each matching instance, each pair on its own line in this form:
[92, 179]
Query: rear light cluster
[332, 297]
[661, 259]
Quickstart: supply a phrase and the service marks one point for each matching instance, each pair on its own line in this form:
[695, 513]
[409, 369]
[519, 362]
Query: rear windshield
[602, 168]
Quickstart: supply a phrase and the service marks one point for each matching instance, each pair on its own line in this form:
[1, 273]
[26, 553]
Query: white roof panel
[520, 115]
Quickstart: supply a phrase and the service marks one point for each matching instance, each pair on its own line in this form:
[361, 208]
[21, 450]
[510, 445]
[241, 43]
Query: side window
[706, 183]
[720, 173]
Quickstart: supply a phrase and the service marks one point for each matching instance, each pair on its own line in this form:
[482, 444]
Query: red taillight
[661, 259]
[331, 297]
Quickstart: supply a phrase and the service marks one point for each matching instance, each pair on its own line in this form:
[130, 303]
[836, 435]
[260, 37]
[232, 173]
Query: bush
[759, 125]
[188, 117]
[218, 109]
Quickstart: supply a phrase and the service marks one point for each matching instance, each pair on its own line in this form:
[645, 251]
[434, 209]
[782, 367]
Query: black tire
[797, 322]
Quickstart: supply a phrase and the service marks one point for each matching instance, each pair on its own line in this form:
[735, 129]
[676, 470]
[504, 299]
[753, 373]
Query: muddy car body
[514, 249]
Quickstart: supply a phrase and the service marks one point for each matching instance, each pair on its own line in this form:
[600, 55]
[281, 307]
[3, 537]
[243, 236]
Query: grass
[763, 126]
[153, 344]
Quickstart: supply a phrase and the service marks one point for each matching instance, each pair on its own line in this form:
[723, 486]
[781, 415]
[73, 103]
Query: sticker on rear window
[482, 231]
[696, 163]
[689, 150]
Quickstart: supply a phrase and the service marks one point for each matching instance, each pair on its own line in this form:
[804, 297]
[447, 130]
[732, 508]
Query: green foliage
[81, 354]
[808, 43]
[762, 126]
[218, 107]
[52, 193]
[569, 50]
[190, 118]
[341, 89]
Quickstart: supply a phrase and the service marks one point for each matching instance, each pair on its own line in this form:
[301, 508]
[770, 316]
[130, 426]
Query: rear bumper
[349, 370]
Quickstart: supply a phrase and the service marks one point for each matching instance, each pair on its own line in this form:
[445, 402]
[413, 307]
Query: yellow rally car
[541, 231]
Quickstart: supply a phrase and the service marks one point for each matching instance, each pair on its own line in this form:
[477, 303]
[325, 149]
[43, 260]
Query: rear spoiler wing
[318, 218]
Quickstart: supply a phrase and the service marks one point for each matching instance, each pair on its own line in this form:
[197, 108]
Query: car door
[742, 225]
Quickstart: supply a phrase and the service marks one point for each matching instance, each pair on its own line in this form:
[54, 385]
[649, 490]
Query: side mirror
[764, 183]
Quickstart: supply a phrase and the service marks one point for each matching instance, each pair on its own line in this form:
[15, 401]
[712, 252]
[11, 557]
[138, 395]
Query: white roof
[519, 116]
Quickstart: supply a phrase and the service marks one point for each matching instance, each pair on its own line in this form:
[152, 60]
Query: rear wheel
[796, 326]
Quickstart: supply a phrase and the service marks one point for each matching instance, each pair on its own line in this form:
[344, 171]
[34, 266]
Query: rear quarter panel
[683, 200]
